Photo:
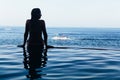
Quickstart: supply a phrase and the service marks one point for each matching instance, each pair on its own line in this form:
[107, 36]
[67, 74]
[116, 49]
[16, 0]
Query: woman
[35, 28]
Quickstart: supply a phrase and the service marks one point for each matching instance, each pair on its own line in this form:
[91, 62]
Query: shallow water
[62, 64]
[80, 61]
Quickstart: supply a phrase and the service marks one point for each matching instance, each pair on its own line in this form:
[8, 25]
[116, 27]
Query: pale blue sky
[62, 13]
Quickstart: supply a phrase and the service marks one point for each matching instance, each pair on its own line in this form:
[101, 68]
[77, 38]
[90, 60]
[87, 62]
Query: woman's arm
[44, 33]
[26, 32]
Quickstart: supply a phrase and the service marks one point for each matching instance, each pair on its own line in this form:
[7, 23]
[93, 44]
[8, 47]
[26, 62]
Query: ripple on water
[91, 65]
[63, 64]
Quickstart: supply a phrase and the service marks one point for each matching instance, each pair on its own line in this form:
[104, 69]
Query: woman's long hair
[35, 14]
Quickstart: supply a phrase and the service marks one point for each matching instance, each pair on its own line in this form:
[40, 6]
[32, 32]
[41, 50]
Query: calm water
[92, 54]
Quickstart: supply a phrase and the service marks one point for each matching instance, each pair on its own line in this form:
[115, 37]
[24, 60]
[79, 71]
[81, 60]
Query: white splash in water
[60, 38]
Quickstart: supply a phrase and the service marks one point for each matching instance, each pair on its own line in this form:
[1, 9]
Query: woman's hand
[49, 46]
[21, 45]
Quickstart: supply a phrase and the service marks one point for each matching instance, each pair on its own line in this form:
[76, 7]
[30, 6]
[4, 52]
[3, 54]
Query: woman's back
[35, 31]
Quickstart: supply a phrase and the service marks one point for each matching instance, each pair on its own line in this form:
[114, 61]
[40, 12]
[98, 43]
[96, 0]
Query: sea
[78, 54]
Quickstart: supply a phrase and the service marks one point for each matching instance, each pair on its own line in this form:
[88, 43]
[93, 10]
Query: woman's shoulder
[41, 20]
[28, 21]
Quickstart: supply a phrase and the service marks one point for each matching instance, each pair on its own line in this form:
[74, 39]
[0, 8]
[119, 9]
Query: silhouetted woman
[35, 28]
[36, 38]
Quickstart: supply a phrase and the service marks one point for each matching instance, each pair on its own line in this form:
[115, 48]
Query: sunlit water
[92, 54]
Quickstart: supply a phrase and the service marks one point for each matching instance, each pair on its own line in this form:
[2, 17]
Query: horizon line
[68, 26]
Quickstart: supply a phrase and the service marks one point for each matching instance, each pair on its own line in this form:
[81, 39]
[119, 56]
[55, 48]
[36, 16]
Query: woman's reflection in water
[35, 58]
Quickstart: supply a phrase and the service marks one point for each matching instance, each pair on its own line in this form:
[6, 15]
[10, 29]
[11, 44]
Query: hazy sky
[65, 13]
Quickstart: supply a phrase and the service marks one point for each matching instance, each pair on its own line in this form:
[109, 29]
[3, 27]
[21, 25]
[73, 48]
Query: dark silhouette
[34, 60]
[36, 38]
[34, 28]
